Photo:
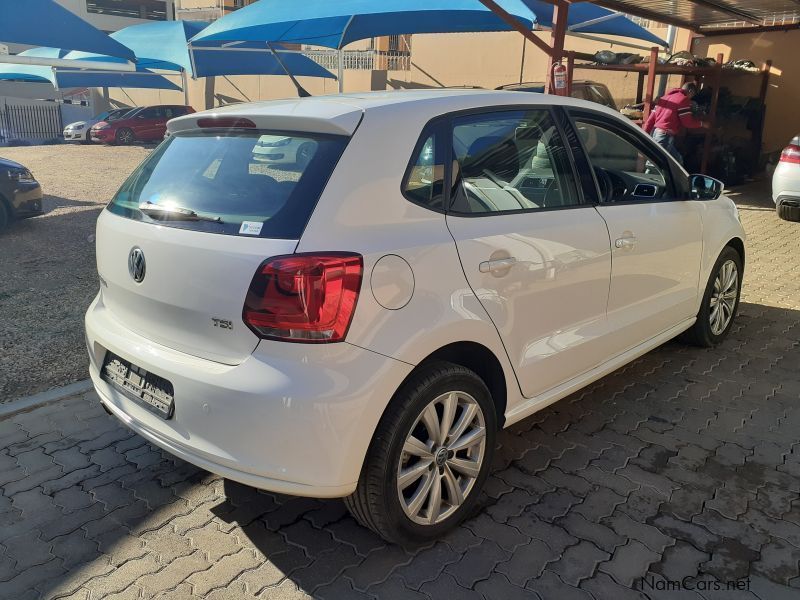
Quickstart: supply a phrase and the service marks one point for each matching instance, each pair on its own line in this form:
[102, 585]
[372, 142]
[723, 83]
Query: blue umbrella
[336, 24]
[164, 45]
[46, 23]
[584, 17]
[72, 78]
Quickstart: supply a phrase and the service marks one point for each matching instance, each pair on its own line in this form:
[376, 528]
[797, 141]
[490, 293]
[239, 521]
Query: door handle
[500, 264]
[626, 242]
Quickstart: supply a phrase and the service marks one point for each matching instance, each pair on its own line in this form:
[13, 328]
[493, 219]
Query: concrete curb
[42, 398]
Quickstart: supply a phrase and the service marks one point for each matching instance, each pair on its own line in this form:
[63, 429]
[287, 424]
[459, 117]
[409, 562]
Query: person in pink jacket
[672, 114]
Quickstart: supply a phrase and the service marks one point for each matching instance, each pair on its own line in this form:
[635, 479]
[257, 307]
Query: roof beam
[729, 10]
[644, 13]
[42, 61]
[746, 30]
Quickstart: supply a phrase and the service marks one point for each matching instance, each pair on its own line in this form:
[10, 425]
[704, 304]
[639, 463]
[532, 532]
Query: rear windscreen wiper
[175, 212]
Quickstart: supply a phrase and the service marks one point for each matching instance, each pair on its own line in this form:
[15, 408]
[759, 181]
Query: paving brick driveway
[682, 467]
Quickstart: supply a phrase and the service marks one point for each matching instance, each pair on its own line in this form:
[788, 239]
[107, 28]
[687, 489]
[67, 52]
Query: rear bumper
[786, 183]
[292, 418]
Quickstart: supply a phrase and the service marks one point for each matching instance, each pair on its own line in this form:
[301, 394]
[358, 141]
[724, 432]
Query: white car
[447, 263]
[786, 182]
[79, 130]
[282, 150]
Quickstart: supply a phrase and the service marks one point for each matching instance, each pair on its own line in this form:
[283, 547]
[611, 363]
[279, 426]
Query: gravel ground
[47, 264]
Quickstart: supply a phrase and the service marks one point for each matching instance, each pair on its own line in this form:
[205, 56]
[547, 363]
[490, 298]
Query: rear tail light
[791, 154]
[307, 298]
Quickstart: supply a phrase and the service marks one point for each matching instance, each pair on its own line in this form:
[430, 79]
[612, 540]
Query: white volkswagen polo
[361, 323]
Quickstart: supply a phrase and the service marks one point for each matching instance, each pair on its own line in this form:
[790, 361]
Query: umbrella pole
[341, 53]
[184, 82]
[341, 71]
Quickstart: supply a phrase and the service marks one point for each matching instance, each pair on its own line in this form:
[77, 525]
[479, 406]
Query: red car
[145, 124]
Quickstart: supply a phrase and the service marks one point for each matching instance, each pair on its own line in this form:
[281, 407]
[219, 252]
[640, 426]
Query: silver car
[786, 182]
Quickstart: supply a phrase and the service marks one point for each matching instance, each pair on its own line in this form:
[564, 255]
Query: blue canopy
[584, 17]
[72, 78]
[336, 24]
[46, 23]
[164, 45]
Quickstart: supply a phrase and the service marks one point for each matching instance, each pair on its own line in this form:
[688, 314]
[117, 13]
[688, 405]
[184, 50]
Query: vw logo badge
[136, 264]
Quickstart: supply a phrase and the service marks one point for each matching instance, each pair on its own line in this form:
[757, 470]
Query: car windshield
[256, 184]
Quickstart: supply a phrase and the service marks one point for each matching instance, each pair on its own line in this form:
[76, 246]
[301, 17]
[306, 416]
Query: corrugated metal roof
[711, 14]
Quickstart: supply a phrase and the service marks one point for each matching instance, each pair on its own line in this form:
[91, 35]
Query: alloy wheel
[723, 297]
[441, 458]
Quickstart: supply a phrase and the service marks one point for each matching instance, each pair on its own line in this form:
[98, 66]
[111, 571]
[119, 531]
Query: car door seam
[485, 312]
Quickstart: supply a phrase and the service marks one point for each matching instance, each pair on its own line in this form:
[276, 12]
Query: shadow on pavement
[683, 464]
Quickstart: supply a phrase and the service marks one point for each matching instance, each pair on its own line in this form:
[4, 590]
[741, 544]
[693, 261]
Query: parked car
[20, 193]
[145, 124]
[361, 325]
[79, 131]
[582, 89]
[786, 182]
[282, 149]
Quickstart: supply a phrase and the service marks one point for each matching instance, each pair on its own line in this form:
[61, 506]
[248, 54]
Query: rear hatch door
[179, 244]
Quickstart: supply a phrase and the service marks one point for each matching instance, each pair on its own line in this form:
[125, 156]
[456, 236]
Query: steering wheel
[619, 186]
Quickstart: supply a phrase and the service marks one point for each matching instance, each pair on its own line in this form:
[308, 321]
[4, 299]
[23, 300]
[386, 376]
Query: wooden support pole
[570, 71]
[712, 115]
[651, 84]
[640, 89]
[560, 15]
[758, 134]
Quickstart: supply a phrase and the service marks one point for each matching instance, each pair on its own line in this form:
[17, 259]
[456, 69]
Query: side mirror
[705, 188]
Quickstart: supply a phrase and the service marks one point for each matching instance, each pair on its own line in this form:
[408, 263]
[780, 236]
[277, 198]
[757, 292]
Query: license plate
[148, 389]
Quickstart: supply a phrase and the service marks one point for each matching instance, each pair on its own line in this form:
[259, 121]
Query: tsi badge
[136, 264]
[222, 323]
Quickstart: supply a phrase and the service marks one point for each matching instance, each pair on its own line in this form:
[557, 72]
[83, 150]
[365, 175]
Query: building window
[153, 10]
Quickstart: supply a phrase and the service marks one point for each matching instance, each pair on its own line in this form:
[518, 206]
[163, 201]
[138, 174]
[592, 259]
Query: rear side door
[656, 232]
[536, 254]
[145, 123]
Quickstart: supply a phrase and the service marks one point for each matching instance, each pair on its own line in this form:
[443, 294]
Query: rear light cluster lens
[791, 154]
[306, 298]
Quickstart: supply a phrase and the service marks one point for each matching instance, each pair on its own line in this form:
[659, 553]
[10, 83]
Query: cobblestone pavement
[683, 466]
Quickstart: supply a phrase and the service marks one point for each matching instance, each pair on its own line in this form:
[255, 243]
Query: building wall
[105, 22]
[783, 117]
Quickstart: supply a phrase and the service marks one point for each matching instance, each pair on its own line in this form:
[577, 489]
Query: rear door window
[510, 161]
[424, 180]
[263, 184]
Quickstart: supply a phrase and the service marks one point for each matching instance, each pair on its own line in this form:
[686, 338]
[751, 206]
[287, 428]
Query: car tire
[87, 139]
[124, 136]
[449, 479]
[304, 154]
[722, 293]
[5, 215]
[789, 210]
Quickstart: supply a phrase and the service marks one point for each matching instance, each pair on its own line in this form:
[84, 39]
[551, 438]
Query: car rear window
[255, 184]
